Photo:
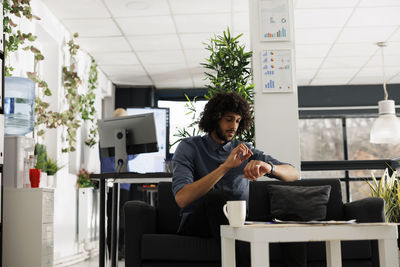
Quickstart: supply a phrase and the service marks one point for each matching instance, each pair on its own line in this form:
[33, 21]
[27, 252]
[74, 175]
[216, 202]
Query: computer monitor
[122, 136]
[154, 161]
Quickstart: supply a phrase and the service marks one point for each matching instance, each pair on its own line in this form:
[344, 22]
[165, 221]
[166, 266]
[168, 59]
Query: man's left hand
[255, 169]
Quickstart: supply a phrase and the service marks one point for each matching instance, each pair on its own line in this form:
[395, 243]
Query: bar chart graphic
[276, 71]
[274, 19]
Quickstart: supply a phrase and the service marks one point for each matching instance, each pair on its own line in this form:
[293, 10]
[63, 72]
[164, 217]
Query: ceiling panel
[157, 69]
[183, 83]
[195, 40]
[390, 61]
[104, 44]
[366, 34]
[131, 74]
[316, 36]
[308, 63]
[375, 16]
[325, 3]
[310, 50]
[73, 9]
[330, 81]
[196, 56]
[376, 3]
[198, 7]
[129, 8]
[110, 58]
[334, 62]
[321, 18]
[146, 25]
[215, 23]
[93, 27]
[161, 57]
[358, 50]
[155, 42]
[377, 72]
[336, 73]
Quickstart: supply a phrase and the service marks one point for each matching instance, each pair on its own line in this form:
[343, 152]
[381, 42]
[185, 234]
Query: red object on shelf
[34, 177]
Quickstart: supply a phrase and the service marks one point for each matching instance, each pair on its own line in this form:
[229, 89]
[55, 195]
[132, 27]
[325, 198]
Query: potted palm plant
[52, 168]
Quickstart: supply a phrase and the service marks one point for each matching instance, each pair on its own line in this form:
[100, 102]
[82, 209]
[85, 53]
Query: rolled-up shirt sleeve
[183, 166]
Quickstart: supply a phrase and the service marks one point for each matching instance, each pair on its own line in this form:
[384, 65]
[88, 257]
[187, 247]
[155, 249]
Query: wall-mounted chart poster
[274, 20]
[276, 67]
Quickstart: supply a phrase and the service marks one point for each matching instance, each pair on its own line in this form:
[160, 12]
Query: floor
[94, 262]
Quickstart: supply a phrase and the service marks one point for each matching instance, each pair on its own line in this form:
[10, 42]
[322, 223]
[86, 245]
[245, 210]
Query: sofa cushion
[302, 203]
[179, 248]
[259, 204]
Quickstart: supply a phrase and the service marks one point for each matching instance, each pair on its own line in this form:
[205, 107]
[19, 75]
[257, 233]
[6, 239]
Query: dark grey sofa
[150, 239]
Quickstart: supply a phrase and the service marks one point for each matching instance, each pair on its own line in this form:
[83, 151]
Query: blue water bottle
[19, 102]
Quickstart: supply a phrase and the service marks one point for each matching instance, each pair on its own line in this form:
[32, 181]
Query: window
[179, 118]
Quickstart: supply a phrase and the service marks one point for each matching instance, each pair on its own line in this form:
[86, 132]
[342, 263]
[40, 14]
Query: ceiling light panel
[325, 3]
[366, 34]
[147, 25]
[93, 27]
[356, 50]
[182, 83]
[200, 7]
[316, 36]
[311, 50]
[375, 16]
[240, 5]
[155, 42]
[157, 69]
[104, 44]
[195, 40]
[377, 3]
[215, 23]
[73, 9]
[161, 57]
[129, 8]
[240, 22]
[321, 18]
[334, 62]
[115, 58]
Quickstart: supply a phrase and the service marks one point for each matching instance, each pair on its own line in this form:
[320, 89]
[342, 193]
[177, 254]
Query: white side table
[260, 235]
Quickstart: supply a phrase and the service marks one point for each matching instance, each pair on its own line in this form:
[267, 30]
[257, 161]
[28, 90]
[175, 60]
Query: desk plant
[388, 189]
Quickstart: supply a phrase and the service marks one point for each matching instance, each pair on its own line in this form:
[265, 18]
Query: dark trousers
[206, 219]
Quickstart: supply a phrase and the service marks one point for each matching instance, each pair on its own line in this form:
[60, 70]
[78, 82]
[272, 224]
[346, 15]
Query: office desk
[126, 177]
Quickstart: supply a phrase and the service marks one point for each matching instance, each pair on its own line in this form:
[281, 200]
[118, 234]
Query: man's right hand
[238, 155]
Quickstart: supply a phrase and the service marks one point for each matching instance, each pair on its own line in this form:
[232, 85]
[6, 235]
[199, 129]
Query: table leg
[114, 225]
[228, 252]
[102, 234]
[333, 253]
[388, 253]
[259, 253]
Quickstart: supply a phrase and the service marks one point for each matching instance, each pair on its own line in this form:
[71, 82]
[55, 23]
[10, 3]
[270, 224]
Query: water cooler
[16, 166]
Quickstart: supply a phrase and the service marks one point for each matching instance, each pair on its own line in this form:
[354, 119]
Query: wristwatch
[271, 173]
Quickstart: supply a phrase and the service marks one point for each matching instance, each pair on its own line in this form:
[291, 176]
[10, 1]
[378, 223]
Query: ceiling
[160, 42]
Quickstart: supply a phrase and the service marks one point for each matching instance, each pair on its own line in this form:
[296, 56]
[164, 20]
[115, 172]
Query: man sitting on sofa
[211, 169]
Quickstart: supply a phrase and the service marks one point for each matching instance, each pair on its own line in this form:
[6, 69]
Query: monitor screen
[152, 162]
[140, 134]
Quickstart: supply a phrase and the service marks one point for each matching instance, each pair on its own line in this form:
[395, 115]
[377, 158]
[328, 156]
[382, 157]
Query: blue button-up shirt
[197, 156]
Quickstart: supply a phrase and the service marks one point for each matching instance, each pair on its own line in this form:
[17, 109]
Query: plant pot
[43, 180]
[51, 181]
[34, 177]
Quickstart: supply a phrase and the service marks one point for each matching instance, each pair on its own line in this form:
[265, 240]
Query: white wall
[51, 41]
[276, 114]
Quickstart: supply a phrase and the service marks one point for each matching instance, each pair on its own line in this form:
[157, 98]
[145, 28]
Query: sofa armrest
[140, 218]
[371, 209]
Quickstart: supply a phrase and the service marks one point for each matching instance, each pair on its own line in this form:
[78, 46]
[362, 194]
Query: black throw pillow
[298, 203]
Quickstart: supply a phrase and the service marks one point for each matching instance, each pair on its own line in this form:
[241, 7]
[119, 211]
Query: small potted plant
[52, 168]
[40, 153]
[83, 180]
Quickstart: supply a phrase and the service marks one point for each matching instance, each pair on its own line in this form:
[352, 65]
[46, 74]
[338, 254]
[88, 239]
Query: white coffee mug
[235, 211]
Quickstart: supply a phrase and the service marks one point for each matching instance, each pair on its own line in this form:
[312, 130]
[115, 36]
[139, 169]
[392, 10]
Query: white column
[276, 114]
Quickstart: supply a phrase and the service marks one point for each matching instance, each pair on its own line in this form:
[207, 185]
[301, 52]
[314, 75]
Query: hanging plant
[88, 109]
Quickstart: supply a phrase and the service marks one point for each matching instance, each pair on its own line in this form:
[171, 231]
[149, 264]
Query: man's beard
[220, 134]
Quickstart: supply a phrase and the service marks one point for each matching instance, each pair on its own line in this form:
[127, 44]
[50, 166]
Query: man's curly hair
[219, 105]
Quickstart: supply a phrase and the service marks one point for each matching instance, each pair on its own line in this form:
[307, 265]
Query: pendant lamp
[386, 128]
